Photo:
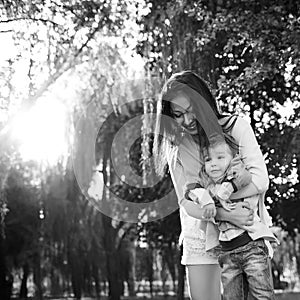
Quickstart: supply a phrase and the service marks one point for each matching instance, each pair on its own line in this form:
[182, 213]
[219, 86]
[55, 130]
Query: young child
[244, 253]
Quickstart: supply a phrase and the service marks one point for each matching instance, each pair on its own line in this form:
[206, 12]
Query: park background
[70, 62]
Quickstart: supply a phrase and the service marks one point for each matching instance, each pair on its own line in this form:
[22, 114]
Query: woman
[187, 114]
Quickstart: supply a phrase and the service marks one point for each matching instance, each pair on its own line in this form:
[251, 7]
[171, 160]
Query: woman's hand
[242, 216]
[241, 176]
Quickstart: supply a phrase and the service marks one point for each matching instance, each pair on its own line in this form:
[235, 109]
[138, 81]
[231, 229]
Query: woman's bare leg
[204, 282]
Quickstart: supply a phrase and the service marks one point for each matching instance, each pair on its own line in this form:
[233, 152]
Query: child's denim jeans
[246, 269]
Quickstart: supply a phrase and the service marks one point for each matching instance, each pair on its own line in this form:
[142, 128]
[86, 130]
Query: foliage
[21, 224]
[69, 50]
[55, 37]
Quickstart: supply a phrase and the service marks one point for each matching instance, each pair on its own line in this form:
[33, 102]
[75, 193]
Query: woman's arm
[253, 159]
[246, 191]
[242, 216]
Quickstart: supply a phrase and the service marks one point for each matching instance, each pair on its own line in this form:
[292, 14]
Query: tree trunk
[114, 280]
[56, 288]
[131, 288]
[23, 289]
[128, 256]
[112, 260]
[169, 256]
[76, 283]
[164, 276]
[87, 279]
[150, 269]
[6, 282]
[37, 277]
[181, 276]
[2, 268]
[76, 275]
[95, 272]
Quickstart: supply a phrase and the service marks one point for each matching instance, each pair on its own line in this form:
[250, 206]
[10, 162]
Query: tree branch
[65, 66]
[91, 35]
[6, 31]
[29, 19]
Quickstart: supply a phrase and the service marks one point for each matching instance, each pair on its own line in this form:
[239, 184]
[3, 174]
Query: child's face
[217, 160]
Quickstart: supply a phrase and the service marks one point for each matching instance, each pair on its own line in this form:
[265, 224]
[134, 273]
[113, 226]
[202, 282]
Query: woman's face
[183, 115]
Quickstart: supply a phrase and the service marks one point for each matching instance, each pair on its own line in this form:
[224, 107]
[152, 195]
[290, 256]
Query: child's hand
[192, 197]
[209, 211]
[224, 191]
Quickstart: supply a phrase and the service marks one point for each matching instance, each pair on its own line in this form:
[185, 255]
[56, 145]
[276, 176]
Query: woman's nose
[188, 118]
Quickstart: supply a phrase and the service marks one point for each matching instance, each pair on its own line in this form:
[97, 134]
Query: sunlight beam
[41, 131]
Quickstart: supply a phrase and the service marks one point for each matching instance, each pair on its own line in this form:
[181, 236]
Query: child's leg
[204, 282]
[256, 267]
[232, 277]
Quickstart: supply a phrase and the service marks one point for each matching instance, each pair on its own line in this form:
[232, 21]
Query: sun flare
[41, 132]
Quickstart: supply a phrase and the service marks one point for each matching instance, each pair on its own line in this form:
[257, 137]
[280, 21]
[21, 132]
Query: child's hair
[217, 139]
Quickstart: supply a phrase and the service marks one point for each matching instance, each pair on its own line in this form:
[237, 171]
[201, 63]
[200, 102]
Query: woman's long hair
[168, 134]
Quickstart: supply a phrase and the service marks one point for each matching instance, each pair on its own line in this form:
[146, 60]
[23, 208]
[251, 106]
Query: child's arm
[221, 193]
[179, 181]
[237, 179]
[195, 210]
[198, 194]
